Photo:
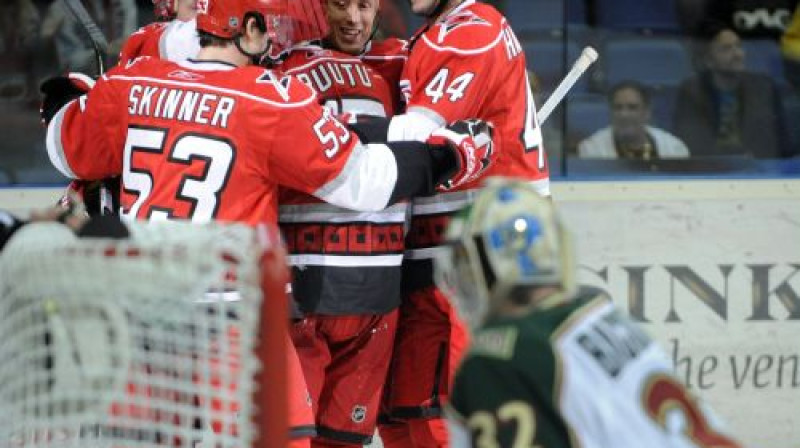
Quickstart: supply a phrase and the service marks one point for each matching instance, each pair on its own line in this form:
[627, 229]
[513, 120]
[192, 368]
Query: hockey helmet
[509, 237]
[225, 18]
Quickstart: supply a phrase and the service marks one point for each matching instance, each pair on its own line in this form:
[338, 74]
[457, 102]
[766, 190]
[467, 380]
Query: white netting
[129, 343]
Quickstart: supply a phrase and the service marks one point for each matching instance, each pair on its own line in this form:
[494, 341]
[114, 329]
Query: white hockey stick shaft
[587, 58]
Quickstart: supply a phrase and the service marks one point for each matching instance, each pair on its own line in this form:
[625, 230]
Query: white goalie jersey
[577, 374]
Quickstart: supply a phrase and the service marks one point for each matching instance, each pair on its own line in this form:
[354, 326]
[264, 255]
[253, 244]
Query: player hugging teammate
[214, 137]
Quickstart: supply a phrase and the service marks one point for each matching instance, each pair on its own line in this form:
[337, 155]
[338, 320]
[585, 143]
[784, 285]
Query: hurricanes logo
[464, 18]
[359, 413]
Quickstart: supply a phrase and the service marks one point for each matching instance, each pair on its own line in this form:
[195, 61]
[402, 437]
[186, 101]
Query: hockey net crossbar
[150, 341]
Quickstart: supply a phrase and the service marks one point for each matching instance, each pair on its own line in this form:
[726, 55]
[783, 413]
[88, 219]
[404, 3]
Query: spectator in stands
[630, 136]
[751, 19]
[117, 20]
[19, 25]
[725, 110]
[790, 46]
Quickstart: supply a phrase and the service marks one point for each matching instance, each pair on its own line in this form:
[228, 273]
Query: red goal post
[173, 337]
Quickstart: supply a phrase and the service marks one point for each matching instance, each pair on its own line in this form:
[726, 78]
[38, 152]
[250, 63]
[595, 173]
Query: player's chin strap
[257, 57]
[262, 25]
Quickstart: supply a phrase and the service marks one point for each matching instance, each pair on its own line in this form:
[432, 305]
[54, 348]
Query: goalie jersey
[344, 262]
[469, 64]
[576, 374]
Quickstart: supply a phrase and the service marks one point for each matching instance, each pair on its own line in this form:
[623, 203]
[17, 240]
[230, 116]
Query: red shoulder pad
[472, 29]
[279, 88]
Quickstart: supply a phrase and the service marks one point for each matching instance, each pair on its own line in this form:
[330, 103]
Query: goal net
[160, 339]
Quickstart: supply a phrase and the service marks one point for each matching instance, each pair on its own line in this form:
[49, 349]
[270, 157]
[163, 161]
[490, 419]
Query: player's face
[726, 53]
[629, 113]
[351, 23]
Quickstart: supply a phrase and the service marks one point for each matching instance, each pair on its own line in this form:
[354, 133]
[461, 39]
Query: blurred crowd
[676, 78]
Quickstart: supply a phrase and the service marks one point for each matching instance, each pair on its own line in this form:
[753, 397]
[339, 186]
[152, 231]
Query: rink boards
[711, 268]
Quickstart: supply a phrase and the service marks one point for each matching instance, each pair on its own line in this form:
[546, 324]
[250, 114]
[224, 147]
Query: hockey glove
[471, 141]
[60, 90]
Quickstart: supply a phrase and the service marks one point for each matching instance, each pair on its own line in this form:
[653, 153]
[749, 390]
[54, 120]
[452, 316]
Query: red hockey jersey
[206, 140]
[174, 41]
[346, 262]
[469, 64]
[388, 57]
[343, 82]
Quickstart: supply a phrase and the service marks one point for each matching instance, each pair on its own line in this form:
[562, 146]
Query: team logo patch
[183, 74]
[202, 6]
[359, 413]
[458, 20]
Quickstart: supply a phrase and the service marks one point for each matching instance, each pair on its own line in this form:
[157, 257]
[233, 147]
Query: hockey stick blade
[99, 42]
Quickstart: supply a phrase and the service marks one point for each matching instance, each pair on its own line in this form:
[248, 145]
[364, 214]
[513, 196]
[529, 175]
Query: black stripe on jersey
[343, 436]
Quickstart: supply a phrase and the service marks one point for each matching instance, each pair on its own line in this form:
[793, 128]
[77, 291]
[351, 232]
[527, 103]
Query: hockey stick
[100, 46]
[99, 42]
[587, 58]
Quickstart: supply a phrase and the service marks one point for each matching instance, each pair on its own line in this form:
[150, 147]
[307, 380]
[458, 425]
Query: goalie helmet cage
[173, 337]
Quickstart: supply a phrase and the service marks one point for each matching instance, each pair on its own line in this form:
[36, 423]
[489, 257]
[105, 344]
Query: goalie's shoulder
[472, 29]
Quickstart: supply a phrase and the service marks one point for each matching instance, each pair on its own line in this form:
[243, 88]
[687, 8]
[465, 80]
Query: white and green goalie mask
[510, 237]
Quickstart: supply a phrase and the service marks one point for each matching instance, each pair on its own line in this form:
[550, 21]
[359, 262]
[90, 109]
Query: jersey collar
[206, 65]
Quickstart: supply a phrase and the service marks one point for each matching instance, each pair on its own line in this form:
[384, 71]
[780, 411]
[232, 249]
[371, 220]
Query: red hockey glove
[60, 90]
[471, 140]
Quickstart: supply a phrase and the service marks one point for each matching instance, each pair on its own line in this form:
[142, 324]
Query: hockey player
[465, 62]
[173, 37]
[212, 139]
[346, 265]
[551, 365]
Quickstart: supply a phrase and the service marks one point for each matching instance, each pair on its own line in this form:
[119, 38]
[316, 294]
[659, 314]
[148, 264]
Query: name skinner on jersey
[180, 104]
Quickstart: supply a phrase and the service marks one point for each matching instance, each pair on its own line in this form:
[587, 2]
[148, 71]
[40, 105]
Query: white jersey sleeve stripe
[55, 148]
[366, 182]
[345, 260]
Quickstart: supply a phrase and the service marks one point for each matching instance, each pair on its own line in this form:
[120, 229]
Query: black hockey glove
[60, 90]
[471, 141]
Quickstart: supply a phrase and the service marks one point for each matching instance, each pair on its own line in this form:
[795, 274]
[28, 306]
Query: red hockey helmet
[225, 18]
[309, 19]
